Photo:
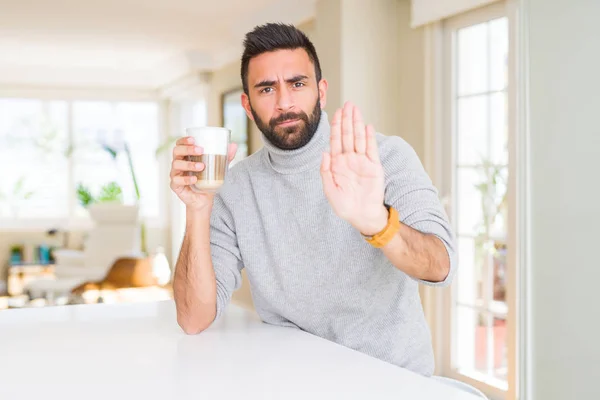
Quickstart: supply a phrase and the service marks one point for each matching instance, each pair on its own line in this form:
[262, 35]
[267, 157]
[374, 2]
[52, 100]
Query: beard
[294, 136]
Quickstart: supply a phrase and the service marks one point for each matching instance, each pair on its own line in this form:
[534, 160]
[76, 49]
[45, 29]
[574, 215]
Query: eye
[299, 84]
[267, 90]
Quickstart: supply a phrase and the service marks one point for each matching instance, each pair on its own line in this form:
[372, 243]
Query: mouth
[288, 122]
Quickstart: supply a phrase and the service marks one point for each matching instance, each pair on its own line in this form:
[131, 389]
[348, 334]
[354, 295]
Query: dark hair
[272, 37]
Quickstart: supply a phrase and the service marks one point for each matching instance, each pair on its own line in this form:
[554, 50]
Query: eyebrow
[294, 79]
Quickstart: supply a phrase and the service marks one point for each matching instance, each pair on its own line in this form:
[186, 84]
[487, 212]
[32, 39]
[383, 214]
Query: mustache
[288, 116]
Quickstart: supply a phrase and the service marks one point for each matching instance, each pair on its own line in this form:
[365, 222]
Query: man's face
[284, 99]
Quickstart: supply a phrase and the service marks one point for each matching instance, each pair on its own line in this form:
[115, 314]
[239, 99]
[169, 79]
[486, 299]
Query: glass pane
[473, 145]
[499, 206]
[473, 59]
[93, 127]
[469, 282]
[499, 273]
[472, 329]
[234, 116]
[481, 182]
[92, 122]
[500, 366]
[470, 186]
[33, 162]
[498, 54]
[499, 128]
[100, 126]
[138, 123]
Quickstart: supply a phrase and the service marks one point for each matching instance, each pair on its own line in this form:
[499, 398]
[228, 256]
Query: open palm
[353, 178]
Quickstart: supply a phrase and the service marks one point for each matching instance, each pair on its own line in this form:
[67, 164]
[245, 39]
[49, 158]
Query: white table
[137, 351]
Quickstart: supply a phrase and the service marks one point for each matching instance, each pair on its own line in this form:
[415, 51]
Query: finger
[180, 189]
[360, 135]
[184, 140]
[326, 175]
[336, 133]
[182, 166]
[183, 180]
[176, 172]
[372, 147]
[176, 188]
[181, 151]
[231, 151]
[347, 129]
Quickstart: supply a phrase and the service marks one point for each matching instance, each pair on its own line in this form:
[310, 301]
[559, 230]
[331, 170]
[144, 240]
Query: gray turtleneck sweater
[308, 269]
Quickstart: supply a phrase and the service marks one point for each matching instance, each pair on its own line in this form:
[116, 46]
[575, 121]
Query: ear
[323, 92]
[246, 105]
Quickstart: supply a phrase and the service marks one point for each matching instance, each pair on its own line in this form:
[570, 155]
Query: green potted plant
[114, 152]
[16, 254]
[107, 206]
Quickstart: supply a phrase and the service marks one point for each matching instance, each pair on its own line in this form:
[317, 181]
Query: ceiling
[128, 43]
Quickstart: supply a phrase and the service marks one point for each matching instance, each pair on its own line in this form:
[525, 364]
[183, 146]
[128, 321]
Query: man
[335, 225]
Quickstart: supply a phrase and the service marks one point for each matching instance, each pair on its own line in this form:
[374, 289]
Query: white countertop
[137, 351]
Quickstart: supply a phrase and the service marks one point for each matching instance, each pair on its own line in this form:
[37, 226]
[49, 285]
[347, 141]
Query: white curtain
[427, 11]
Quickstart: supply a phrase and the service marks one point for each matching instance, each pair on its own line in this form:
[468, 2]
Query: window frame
[441, 139]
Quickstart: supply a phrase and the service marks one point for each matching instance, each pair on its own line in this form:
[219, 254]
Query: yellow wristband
[382, 238]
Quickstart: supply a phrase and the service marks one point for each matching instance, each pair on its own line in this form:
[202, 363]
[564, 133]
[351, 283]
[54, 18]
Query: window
[33, 141]
[481, 176]
[234, 118]
[476, 171]
[47, 148]
[99, 124]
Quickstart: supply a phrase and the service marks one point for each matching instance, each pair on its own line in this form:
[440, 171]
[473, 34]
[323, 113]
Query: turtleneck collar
[306, 157]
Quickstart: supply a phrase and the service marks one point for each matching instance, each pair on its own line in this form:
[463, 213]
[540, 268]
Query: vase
[114, 213]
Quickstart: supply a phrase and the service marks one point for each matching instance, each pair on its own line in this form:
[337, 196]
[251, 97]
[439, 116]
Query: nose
[285, 100]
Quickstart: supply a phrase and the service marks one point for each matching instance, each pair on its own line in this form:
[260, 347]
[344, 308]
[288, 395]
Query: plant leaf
[110, 150]
[69, 150]
[18, 185]
[111, 192]
[84, 196]
[132, 171]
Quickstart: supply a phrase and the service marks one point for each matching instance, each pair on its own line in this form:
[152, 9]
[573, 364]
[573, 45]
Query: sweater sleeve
[410, 191]
[226, 256]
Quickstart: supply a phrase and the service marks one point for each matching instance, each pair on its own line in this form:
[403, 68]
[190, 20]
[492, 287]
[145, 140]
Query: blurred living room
[498, 98]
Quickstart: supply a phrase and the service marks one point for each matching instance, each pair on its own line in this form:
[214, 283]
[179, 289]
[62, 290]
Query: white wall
[371, 56]
[406, 112]
[564, 53]
[327, 41]
[371, 60]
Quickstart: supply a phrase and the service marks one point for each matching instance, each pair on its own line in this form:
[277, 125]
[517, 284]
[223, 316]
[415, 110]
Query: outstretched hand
[352, 174]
